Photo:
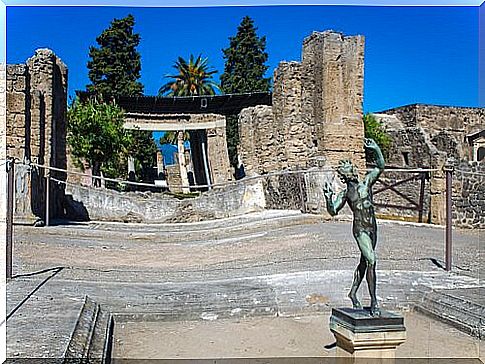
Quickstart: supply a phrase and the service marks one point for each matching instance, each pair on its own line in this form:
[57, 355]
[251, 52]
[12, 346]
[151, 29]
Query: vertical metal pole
[10, 206]
[47, 197]
[448, 249]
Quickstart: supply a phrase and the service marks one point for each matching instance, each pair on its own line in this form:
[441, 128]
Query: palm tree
[171, 137]
[193, 79]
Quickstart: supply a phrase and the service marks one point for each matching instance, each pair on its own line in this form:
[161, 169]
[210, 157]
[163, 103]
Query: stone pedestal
[362, 338]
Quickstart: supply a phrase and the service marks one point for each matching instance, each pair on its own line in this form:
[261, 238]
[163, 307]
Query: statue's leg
[366, 247]
[358, 276]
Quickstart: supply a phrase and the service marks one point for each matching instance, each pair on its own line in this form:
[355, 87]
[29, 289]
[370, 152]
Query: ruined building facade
[426, 136]
[316, 112]
[36, 130]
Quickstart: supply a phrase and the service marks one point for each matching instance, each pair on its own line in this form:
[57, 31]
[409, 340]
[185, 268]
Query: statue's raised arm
[372, 176]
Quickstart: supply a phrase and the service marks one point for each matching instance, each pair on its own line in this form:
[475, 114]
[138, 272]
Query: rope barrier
[228, 183]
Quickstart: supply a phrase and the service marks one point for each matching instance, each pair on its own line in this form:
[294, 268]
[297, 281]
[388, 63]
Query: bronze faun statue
[358, 194]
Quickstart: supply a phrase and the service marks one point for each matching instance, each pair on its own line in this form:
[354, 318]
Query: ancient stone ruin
[425, 136]
[316, 111]
[289, 143]
[36, 130]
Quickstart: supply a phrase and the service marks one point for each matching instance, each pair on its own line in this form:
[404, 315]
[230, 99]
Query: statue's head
[347, 171]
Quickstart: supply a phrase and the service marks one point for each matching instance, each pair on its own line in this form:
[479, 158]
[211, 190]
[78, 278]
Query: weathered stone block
[15, 102]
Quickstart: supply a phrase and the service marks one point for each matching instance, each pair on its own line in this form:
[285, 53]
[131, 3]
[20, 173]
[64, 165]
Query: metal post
[448, 249]
[10, 206]
[47, 197]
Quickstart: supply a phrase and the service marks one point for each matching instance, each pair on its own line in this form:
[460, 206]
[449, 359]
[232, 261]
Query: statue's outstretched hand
[370, 143]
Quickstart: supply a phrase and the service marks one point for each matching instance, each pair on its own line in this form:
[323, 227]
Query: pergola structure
[204, 117]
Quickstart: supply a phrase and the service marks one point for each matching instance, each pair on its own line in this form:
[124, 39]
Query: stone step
[101, 340]
[78, 346]
[92, 335]
[461, 313]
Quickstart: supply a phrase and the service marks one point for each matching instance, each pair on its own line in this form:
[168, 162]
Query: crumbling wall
[316, 111]
[259, 148]
[36, 130]
[3, 154]
[109, 205]
[423, 137]
[447, 126]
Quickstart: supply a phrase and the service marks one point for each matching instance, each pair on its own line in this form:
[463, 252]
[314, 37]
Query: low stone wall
[292, 190]
[469, 195]
[83, 203]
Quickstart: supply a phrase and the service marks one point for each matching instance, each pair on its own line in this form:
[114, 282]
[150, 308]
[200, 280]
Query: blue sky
[413, 54]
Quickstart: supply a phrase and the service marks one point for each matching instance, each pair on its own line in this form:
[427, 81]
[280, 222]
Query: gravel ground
[235, 249]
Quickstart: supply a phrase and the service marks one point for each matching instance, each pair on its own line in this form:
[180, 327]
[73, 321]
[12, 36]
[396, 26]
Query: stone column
[160, 166]
[181, 158]
[246, 148]
[294, 137]
[438, 190]
[205, 162]
[362, 338]
[217, 155]
[18, 143]
[48, 104]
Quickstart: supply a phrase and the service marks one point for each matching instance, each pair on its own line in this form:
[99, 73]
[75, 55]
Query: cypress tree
[114, 69]
[244, 71]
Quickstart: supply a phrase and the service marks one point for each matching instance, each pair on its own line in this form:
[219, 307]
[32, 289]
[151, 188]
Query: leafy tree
[193, 78]
[374, 129]
[95, 134]
[114, 70]
[244, 70]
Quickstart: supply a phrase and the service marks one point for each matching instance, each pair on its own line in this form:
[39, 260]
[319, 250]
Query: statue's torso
[359, 198]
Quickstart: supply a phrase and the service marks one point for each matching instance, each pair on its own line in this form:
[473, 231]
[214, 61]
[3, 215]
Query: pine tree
[114, 70]
[244, 71]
